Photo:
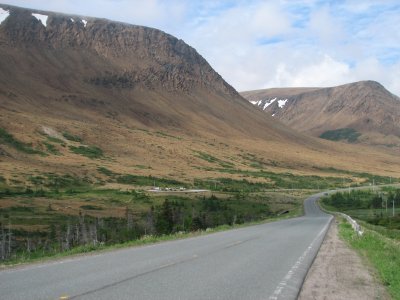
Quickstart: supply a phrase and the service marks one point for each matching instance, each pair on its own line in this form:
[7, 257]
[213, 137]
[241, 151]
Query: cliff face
[140, 55]
[75, 67]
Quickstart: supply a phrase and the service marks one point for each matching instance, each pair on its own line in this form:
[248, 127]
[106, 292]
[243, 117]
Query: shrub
[348, 134]
[7, 138]
[88, 151]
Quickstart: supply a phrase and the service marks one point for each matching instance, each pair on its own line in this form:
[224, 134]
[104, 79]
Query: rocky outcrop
[147, 56]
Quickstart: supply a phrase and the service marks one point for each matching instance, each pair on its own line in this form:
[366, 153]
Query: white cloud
[324, 72]
[267, 19]
[326, 27]
[155, 13]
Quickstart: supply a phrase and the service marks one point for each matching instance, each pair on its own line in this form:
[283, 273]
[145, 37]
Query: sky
[258, 44]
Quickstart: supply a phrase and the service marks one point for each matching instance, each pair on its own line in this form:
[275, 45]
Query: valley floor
[339, 273]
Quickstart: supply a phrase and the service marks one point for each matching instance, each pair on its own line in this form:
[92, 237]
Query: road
[267, 261]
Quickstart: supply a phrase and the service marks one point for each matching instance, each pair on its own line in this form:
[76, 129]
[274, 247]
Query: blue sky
[258, 44]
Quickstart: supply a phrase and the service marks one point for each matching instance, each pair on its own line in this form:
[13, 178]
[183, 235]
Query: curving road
[267, 261]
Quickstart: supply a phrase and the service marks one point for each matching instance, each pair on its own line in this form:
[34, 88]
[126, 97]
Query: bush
[73, 138]
[348, 134]
[88, 151]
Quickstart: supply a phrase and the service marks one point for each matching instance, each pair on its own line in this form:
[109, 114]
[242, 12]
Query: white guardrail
[354, 224]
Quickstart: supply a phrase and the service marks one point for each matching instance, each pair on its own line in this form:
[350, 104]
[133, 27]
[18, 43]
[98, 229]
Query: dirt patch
[339, 273]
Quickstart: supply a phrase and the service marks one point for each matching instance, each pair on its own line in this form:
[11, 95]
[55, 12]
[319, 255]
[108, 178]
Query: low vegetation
[273, 180]
[10, 140]
[211, 159]
[88, 151]
[52, 149]
[376, 208]
[62, 213]
[379, 214]
[148, 181]
[383, 253]
[347, 134]
[57, 213]
[71, 137]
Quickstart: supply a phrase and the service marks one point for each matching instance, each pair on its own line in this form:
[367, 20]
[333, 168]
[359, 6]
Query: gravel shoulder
[338, 272]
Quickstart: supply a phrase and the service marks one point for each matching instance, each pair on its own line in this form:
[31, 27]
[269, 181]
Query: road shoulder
[338, 272]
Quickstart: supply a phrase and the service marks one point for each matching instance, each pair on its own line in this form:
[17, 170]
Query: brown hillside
[366, 106]
[147, 100]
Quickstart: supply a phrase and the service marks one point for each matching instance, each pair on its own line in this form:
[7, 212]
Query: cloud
[302, 43]
[324, 72]
[326, 27]
[156, 13]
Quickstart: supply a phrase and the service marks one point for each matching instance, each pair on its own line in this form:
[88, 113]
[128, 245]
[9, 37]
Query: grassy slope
[383, 253]
[379, 245]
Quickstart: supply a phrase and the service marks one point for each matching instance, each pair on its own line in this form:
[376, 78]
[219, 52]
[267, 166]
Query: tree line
[172, 216]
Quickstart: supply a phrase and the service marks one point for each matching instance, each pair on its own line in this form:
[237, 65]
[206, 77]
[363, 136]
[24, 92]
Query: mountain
[93, 98]
[362, 112]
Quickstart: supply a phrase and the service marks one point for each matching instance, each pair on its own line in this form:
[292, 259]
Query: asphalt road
[266, 261]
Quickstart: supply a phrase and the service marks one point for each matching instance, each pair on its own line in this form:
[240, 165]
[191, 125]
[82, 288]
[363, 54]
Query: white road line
[281, 286]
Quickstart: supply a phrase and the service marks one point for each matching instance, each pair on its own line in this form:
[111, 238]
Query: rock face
[366, 107]
[75, 66]
[146, 56]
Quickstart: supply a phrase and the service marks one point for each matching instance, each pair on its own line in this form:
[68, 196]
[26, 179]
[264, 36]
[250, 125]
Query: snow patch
[72, 20]
[258, 103]
[41, 18]
[273, 115]
[269, 103]
[84, 23]
[3, 15]
[281, 103]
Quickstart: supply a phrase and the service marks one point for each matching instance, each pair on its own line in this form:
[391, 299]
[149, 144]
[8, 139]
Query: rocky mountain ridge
[91, 98]
[365, 106]
[174, 64]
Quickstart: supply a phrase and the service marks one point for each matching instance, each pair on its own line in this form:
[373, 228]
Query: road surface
[267, 261]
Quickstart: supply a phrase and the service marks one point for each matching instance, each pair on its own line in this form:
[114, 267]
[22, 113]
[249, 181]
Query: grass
[8, 139]
[71, 137]
[348, 134]
[289, 180]
[368, 206]
[55, 140]
[105, 171]
[165, 135]
[206, 157]
[52, 149]
[383, 253]
[231, 185]
[88, 151]
[211, 159]
[148, 181]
